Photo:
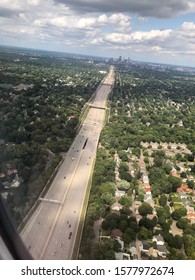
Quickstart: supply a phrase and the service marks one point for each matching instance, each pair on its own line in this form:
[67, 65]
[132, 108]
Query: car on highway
[70, 235]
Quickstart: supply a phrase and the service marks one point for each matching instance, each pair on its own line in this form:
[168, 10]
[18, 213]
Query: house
[189, 209]
[133, 249]
[144, 144]
[115, 233]
[184, 188]
[174, 173]
[185, 201]
[191, 217]
[182, 195]
[173, 145]
[145, 179]
[158, 239]
[162, 251]
[148, 198]
[119, 194]
[154, 145]
[153, 252]
[148, 190]
[146, 185]
[118, 256]
[116, 206]
[2, 175]
[164, 145]
[15, 184]
[12, 171]
[144, 246]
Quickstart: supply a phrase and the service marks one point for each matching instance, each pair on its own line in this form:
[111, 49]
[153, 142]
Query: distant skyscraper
[120, 58]
[129, 60]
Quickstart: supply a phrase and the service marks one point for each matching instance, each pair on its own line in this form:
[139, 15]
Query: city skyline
[147, 31]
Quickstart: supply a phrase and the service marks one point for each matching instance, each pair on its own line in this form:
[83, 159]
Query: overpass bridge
[50, 200]
[91, 105]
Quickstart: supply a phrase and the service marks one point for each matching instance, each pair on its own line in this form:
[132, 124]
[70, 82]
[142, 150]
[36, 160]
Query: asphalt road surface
[52, 229]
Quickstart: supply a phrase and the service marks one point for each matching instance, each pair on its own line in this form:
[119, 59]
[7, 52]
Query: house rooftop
[162, 248]
[116, 233]
[158, 238]
[145, 245]
[184, 188]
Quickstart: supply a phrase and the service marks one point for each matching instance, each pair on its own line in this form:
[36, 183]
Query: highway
[51, 231]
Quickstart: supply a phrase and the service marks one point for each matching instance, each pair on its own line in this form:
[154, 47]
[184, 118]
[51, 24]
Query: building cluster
[9, 177]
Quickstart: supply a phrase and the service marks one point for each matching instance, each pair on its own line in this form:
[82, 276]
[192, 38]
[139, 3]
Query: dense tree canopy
[145, 209]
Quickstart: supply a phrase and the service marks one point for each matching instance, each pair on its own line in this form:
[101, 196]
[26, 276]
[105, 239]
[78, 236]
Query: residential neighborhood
[153, 246]
[149, 188]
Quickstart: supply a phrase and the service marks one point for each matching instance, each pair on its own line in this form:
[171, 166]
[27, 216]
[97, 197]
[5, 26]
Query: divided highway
[52, 229]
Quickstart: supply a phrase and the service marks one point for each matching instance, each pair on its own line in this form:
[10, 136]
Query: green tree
[123, 225]
[163, 200]
[191, 184]
[125, 210]
[147, 223]
[107, 198]
[167, 168]
[104, 250]
[182, 223]
[126, 200]
[116, 246]
[143, 234]
[107, 187]
[178, 213]
[178, 242]
[175, 255]
[175, 182]
[129, 235]
[189, 245]
[123, 185]
[145, 209]
[112, 221]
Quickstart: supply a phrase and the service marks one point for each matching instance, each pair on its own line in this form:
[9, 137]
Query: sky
[161, 31]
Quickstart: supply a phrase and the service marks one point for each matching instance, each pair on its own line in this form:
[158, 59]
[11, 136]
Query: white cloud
[188, 26]
[151, 35]
[118, 38]
[138, 37]
[103, 19]
[86, 23]
[34, 2]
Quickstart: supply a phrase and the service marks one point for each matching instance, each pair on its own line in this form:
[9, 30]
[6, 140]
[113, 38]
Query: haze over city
[150, 30]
